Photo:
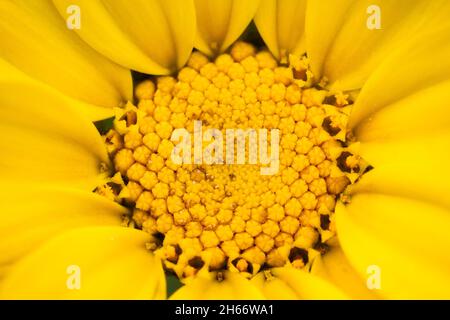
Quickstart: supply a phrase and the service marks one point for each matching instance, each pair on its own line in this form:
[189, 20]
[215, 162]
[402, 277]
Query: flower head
[356, 204]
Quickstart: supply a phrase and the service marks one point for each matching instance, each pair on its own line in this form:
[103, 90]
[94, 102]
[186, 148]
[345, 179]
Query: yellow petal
[347, 51]
[206, 287]
[221, 22]
[400, 238]
[36, 40]
[46, 139]
[416, 115]
[281, 25]
[290, 283]
[154, 37]
[335, 268]
[416, 226]
[274, 288]
[111, 262]
[416, 70]
[33, 214]
[9, 73]
[322, 24]
[415, 167]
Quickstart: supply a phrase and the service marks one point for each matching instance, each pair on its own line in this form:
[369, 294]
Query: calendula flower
[356, 207]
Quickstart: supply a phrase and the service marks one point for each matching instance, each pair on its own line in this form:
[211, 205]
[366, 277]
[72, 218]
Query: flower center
[225, 214]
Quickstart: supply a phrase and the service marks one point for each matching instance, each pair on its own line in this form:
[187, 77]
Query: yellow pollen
[221, 216]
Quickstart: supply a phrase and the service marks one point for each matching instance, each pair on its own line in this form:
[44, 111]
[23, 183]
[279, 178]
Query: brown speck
[178, 251]
[115, 187]
[318, 86]
[342, 161]
[324, 221]
[322, 247]
[130, 117]
[300, 74]
[369, 168]
[331, 100]
[327, 125]
[158, 238]
[220, 276]
[298, 253]
[111, 135]
[265, 266]
[196, 262]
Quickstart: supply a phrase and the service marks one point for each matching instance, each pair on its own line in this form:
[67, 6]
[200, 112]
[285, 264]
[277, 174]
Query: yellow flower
[358, 209]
